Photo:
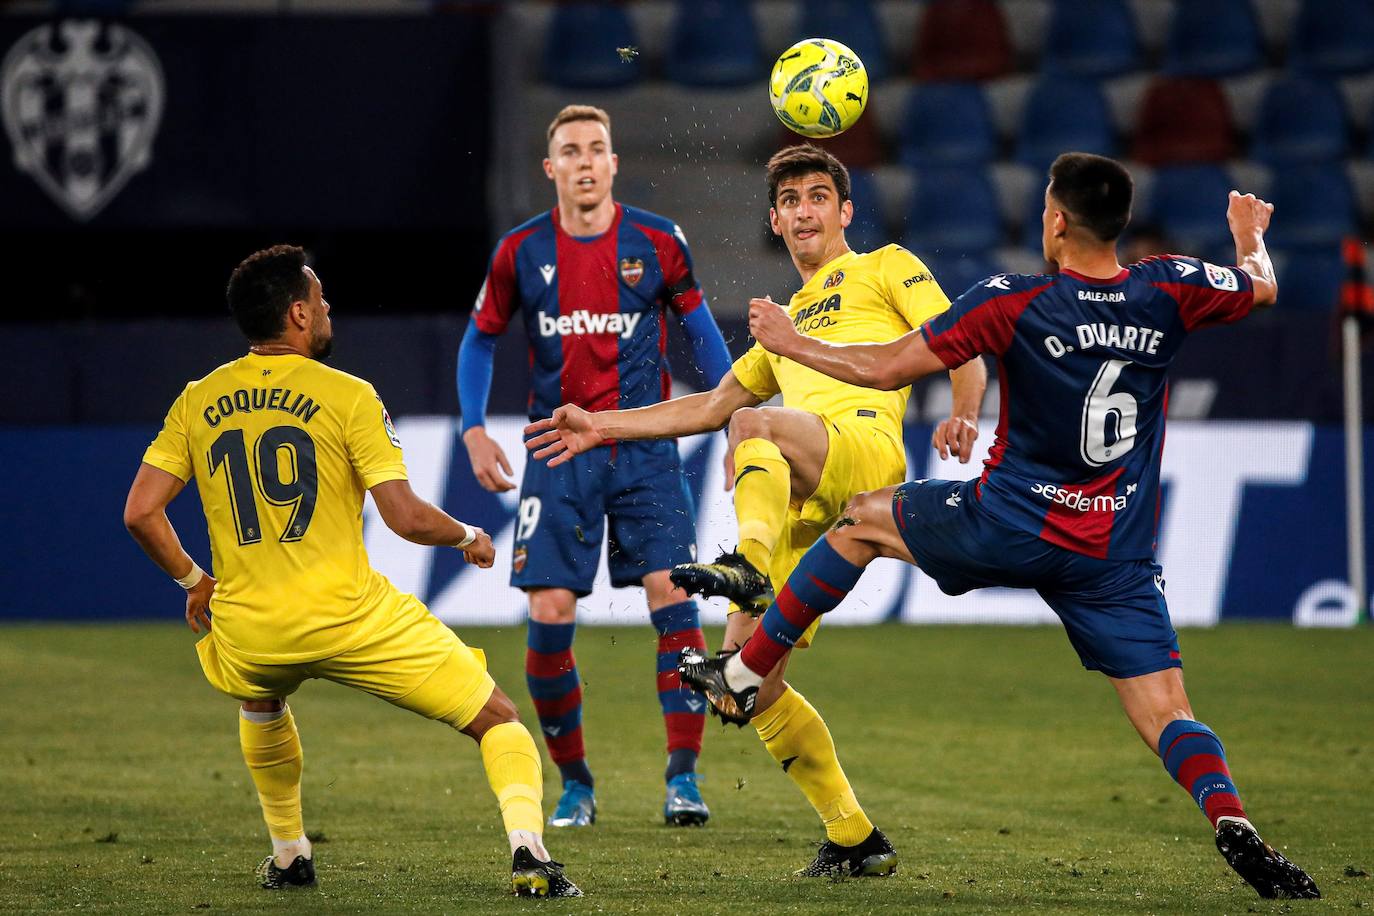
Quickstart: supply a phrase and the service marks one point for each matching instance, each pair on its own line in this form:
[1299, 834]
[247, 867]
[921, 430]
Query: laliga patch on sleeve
[390, 427]
[1223, 278]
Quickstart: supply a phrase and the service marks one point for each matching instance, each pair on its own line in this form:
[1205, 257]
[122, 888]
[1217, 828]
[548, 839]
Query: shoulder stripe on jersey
[987, 327]
[497, 299]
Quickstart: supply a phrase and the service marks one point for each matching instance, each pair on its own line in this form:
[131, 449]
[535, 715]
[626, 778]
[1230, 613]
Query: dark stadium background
[397, 139]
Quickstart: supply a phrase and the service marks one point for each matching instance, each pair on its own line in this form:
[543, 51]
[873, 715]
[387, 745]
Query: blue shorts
[638, 486]
[1114, 610]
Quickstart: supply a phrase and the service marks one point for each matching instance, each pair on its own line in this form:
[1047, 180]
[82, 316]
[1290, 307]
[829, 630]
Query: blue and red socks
[684, 713]
[556, 688]
[1194, 757]
[819, 583]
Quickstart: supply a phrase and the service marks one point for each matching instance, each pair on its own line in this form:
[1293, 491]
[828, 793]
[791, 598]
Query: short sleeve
[171, 450]
[373, 446]
[912, 289]
[1206, 294]
[755, 372]
[499, 296]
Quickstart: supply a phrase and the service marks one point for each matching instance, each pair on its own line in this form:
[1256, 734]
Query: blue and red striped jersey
[1082, 367]
[594, 308]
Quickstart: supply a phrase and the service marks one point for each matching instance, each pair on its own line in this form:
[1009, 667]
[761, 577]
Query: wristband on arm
[469, 535]
[192, 578]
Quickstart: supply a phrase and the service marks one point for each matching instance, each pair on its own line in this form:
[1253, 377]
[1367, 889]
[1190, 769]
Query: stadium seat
[953, 210]
[1301, 119]
[1333, 36]
[1094, 38]
[868, 230]
[851, 22]
[1061, 115]
[1316, 207]
[860, 147]
[580, 47]
[1213, 38]
[1189, 204]
[947, 124]
[962, 40]
[1311, 280]
[957, 273]
[1032, 226]
[715, 43]
[1184, 119]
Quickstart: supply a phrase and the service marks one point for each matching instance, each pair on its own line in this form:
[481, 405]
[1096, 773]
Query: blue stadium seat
[1213, 38]
[1062, 115]
[1095, 38]
[1314, 207]
[715, 43]
[1301, 119]
[1189, 204]
[851, 22]
[947, 124]
[1333, 36]
[580, 47]
[1311, 280]
[868, 230]
[1032, 225]
[953, 210]
[957, 273]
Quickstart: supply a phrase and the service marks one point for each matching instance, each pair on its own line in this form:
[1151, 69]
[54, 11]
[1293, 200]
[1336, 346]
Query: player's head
[274, 296]
[809, 205]
[1087, 202]
[581, 163]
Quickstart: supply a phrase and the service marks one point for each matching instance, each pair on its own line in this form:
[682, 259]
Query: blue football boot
[683, 806]
[576, 807]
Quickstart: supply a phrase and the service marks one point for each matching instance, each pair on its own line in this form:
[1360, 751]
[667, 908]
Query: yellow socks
[763, 486]
[272, 749]
[513, 772]
[796, 736]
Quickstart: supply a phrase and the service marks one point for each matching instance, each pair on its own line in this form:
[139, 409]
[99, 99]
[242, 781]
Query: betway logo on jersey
[1079, 501]
[585, 322]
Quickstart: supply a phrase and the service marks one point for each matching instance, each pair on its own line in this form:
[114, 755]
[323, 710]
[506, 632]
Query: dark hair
[804, 159]
[1095, 191]
[263, 287]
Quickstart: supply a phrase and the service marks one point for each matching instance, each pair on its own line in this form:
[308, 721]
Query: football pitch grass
[1005, 775]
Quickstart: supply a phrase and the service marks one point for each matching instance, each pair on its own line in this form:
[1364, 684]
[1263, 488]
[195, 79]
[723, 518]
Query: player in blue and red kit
[593, 279]
[1069, 497]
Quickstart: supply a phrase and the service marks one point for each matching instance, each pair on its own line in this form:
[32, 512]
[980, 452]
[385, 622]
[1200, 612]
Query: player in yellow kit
[282, 449]
[795, 467]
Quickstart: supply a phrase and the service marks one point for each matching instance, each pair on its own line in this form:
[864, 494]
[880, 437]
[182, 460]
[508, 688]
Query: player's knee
[748, 423]
[553, 605]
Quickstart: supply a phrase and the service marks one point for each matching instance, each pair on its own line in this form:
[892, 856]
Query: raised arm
[572, 430]
[1248, 217]
[885, 366]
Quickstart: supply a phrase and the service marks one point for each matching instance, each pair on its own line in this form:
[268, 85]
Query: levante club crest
[81, 103]
[631, 270]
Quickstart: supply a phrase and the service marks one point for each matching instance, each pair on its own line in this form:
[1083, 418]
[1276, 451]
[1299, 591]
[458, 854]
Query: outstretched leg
[1158, 707]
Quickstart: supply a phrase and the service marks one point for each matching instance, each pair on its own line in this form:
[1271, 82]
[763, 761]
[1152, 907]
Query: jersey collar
[1097, 281]
[610, 230]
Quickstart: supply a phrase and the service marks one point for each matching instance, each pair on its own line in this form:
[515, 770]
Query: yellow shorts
[861, 456]
[410, 659]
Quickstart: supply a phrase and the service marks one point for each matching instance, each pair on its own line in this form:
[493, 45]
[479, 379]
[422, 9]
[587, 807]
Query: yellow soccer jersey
[282, 448]
[856, 298]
